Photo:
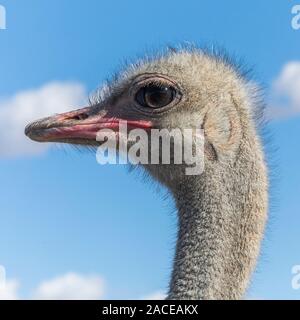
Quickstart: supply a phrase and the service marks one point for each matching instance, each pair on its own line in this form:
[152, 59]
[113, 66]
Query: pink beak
[77, 125]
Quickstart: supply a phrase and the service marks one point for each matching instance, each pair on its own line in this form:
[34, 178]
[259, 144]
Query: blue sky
[62, 212]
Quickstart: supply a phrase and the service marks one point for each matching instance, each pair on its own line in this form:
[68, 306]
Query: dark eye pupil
[153, 96]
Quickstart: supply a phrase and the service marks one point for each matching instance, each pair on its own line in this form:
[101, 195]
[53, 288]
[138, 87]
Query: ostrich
[221, 212]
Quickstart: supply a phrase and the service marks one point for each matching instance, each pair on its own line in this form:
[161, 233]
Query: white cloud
[71, 286]
[158, 295]
[285, 95]
[9, 290]
[17, 111]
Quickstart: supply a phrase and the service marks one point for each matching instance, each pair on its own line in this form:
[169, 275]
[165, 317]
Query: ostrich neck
[221, 217]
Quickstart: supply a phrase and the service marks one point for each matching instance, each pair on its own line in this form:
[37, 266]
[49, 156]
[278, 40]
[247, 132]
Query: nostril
[81, 116]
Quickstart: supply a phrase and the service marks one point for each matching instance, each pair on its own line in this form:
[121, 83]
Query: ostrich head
[184, 90]
[222, 211]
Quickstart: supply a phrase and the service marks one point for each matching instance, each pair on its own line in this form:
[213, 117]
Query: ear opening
[222, 129]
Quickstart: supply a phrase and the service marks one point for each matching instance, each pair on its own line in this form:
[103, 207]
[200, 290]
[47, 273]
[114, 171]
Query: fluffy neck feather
[221, 215]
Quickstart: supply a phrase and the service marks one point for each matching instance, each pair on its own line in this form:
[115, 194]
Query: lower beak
[77, 126]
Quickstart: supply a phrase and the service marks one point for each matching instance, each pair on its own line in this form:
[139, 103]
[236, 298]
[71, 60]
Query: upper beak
[76, 126]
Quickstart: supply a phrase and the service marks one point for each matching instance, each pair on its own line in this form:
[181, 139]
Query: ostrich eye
[154, 96]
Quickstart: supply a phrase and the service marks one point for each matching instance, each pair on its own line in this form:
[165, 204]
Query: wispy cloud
[17, 111]
[9, 291]
[285, 92]
[71, 286]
